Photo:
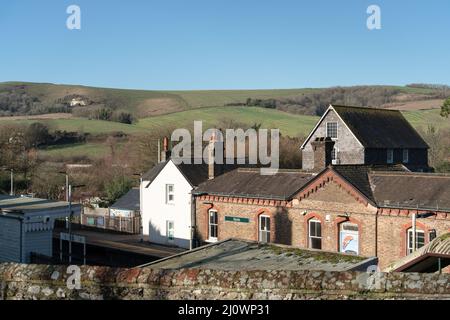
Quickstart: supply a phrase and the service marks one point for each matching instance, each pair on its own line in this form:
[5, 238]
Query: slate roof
[358, 175]
[248, 182]
[129, 201]
[194, 173]
[380, 128]
[428, 191]
[234, 254]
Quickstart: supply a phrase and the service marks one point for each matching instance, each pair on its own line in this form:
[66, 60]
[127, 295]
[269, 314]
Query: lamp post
[70, 218]
[12, 183]
[140, 201]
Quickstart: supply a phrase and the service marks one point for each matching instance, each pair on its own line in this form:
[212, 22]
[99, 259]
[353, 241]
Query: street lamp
[67, 184]
[70, 218]
[140, 203]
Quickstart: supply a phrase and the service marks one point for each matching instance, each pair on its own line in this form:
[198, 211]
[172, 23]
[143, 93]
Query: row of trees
[316, 102]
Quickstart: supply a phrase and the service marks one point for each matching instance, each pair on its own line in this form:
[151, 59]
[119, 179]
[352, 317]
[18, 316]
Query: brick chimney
[322, 148]
[165, 153]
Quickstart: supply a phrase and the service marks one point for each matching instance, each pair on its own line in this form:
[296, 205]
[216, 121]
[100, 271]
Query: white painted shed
[26, 226]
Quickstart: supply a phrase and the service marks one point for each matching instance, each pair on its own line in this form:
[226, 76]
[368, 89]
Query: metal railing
[121, 224]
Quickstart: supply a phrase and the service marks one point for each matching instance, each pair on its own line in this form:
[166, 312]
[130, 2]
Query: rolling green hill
[35, 98]
[289, 124]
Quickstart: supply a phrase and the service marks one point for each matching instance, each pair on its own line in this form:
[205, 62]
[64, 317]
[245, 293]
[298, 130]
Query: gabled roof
[427, 191]
[129, 201]
[393, 186]
[249, 183]
[377, 128]
[358, 176]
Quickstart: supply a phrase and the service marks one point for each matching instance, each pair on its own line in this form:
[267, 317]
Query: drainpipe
[414, 216]
[193, 222]
[376, 233]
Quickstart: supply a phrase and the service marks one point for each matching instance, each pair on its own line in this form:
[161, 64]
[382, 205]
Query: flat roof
[235, 254]
[28, 204]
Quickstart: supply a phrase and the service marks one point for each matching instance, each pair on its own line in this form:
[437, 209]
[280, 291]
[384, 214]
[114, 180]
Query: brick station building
[361, 209]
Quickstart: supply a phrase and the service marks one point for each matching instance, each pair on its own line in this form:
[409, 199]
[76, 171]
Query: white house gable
[166, 207]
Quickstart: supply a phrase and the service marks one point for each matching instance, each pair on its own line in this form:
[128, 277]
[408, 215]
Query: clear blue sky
[225, 44]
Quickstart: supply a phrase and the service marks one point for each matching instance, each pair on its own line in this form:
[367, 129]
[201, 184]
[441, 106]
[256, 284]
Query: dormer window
[390, 156]
[332, 130]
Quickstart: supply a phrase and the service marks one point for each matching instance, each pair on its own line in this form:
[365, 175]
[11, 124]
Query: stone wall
[50, 282]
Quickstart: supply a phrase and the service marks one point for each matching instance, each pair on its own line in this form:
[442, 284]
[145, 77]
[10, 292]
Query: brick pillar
[322, 148]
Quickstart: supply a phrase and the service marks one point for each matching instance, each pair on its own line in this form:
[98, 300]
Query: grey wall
[38, 242]
[350, 150]
[9, 239]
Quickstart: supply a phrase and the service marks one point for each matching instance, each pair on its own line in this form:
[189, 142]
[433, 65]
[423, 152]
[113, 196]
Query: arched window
[315, 234]
[420, 240]
[349, 238]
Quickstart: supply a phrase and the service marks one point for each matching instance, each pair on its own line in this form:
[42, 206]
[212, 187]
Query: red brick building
[360, 209]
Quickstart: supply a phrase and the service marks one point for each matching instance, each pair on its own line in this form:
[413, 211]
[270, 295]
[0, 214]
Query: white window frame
[409, 236]
[169, 231]
[266, 230]
[335, 152]
[390, 156]
[169, 193]
[337, 126]
[310, 237]
[213, 225]
[405, 155]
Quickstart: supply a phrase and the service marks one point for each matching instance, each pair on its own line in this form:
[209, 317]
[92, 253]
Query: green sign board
[237, 219]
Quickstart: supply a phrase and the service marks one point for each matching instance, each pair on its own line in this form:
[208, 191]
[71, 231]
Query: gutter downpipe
[376, 233]
[193, 222]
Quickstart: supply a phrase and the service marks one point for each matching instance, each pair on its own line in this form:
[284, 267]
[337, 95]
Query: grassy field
[288, 124]
[91, 150]
[78, 124]
[421, 119]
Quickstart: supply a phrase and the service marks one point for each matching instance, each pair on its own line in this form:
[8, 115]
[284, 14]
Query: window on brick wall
[420, 240]
[315, 234]
[264, 229]
[213, 225]
[332, 130]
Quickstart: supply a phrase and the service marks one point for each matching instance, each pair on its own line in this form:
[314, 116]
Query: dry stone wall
[98, 283]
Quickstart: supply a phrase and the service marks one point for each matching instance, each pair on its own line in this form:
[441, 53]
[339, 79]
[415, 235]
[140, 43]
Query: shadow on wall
[157, 236]
[283, 227]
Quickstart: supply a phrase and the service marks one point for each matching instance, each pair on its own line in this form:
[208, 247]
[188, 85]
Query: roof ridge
[365, 108]
[411, 174]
